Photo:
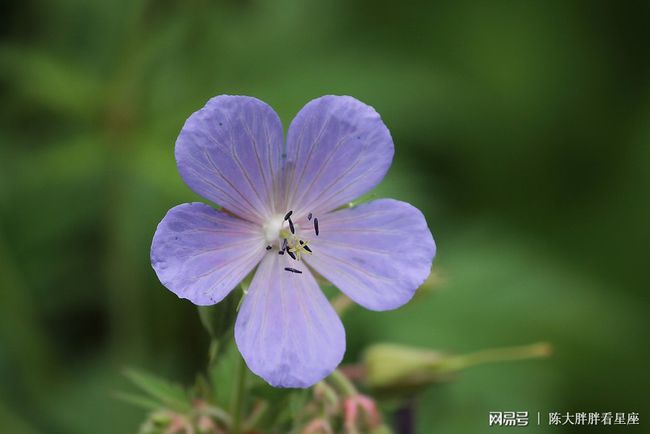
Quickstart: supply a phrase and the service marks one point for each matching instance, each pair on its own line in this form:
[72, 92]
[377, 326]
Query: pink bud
[318, 426]
[351, 408]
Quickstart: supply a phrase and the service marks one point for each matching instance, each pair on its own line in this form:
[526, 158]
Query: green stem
[342, 383]
[213, 351]
[457, 363]
[259, 409]
[239, 396]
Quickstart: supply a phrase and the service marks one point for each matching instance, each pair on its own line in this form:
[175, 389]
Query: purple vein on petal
[322, 168]
[313, 146]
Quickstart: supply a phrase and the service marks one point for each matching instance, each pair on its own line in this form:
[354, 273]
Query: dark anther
[308, 249]
[291, 228]
[293, 270]
[302, 242]
[290, 253]
[268, 247]
[309, 216]
[281, 252]
[287, 215]
[284, 244]
[316, 225]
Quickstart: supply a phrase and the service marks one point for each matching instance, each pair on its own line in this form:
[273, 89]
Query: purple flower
[281, 212]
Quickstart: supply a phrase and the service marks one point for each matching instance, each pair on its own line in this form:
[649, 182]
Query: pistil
[291, 244]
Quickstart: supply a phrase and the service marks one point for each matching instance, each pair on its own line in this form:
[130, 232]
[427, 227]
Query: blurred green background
[521, 130]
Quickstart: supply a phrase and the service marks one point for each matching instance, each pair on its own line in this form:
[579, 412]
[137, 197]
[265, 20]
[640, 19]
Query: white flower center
[283, 234]
[272, 229]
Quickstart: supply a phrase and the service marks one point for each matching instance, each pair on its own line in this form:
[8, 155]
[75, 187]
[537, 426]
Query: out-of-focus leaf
[283, 406]
[297, 401]
[51, 81]
[138, 400]
[222, 375]
[219, 318]
[168, 393]
[12, 423]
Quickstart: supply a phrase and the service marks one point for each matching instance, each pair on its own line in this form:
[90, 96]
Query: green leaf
[285, 406]
[219, 319]
[138, 400]
[168, 393]
[52, 81]
[222, 375]
[297, 403]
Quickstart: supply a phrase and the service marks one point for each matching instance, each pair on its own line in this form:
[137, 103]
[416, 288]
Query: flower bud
[327, 394]
[368, 416]
[205, 425]
[396, 367]
[318, 426]
[389, 365]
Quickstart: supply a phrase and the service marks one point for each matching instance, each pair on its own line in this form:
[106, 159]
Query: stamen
[309, 216]
[306, 247]
[290, 253]
[287, 215]
[284, 244]
[293, 270]
[268, 247]
[281, 252]
[315, 225]
[291, 228]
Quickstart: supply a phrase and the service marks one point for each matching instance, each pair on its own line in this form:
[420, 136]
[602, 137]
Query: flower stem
[342, 383]
[456, 363]
[239, 395]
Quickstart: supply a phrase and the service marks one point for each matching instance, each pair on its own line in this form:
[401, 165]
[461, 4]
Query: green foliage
[222, 375]
[139, 401]
[166, 393]
[218, 320]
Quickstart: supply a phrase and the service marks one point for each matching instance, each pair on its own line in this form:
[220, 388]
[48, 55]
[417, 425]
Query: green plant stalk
[460, 362]
[342, 383]
[239, 395]
[259, 409]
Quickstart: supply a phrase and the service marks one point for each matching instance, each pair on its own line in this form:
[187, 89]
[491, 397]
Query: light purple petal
[286, 329]
[338, 148]
[201, 254]
[230, 152]
[378, 253]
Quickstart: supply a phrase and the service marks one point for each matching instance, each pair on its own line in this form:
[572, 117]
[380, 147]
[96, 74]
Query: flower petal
[201, 254]
[377, 253]
[286, 330]
[230, 153]
[338, 148]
